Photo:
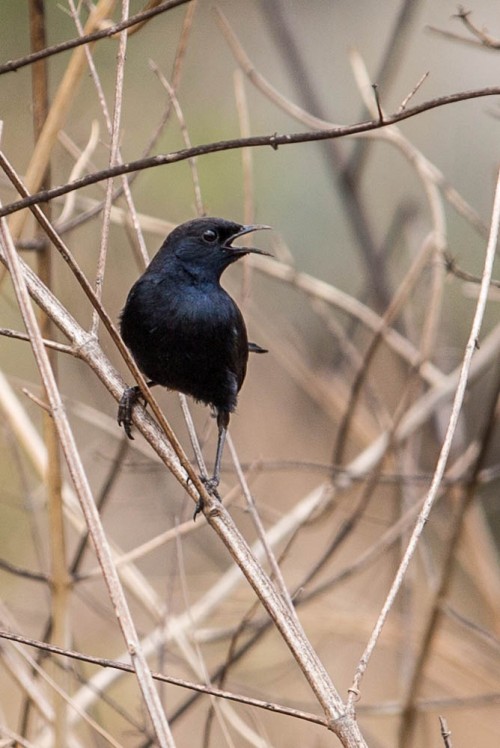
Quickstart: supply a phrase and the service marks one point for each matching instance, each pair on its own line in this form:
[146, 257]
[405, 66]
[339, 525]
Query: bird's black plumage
[183, 329]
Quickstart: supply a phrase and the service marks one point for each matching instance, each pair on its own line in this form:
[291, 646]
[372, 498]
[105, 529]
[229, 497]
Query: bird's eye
[210, 235]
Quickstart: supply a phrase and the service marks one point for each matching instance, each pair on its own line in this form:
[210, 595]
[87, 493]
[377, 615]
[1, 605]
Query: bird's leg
[212, 483]
[222, 424]
[127, 401]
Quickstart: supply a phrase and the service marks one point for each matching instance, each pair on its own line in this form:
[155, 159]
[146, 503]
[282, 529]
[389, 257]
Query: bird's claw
[198, 508]
[127, 402]
[211, 485]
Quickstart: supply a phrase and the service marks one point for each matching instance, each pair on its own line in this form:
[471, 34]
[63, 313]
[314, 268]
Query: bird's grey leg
[222, 423]
[212, 483]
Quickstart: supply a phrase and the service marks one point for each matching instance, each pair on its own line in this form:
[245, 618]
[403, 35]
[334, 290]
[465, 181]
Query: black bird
[183, 330]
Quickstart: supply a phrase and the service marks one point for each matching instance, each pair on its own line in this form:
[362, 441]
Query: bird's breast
[188, 337]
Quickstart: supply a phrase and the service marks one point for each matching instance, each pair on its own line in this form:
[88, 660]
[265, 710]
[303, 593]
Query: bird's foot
[211, 485]
[198, 508]
[127, 401]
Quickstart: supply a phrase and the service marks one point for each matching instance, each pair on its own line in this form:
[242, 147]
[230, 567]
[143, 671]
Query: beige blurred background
[294, 398]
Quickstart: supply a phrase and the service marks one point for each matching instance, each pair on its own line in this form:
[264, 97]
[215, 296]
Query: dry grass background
[366, 308]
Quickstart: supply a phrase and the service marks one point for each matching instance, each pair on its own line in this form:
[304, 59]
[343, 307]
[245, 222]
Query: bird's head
[208, 243]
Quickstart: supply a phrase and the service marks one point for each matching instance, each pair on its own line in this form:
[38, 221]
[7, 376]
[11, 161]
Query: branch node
[273, 142]
[445, 732]
[355, 692]
[462, 13]
[449, 262]
[38, 401]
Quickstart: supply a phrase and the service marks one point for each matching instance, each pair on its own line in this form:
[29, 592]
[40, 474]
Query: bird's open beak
[247, 250]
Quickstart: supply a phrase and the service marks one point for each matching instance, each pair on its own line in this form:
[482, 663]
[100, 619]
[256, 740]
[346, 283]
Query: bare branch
[445, 450]
[180, 682]
[483, 36]
[145, 15]
[257, 141]
[445, 733]
[82, 488]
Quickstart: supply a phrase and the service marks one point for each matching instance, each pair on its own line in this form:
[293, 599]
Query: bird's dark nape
[183, 329]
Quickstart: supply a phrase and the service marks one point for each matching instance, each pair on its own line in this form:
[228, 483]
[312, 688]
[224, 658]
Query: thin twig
[221, 522]
[261, 532]
[69, 702]
[176, 77]
[454, 269]
[145, 15]
[366, 559]
[312, 122]
[16, 335]
[455, 526]
[412, 93]
[198, 454]
[108, 322]
[101, 499]
[376, 94]
[392, 59]
[273, 141]
[60, 587]
[400, 298]
[445, 733]
[445, 450]
[200, 209]
[484, 38]
[246, 153]
[360, 220]
[318, 289]
[84, 493]
[11, 568]
[180, 682]
[57, 114]
[114, 158]
[78, 168]
[125, 188]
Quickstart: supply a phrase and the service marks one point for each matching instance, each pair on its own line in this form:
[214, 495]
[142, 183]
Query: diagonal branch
[445, 450]
[84, 493]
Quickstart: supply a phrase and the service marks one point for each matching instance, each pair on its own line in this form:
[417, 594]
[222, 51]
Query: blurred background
[361, 225]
